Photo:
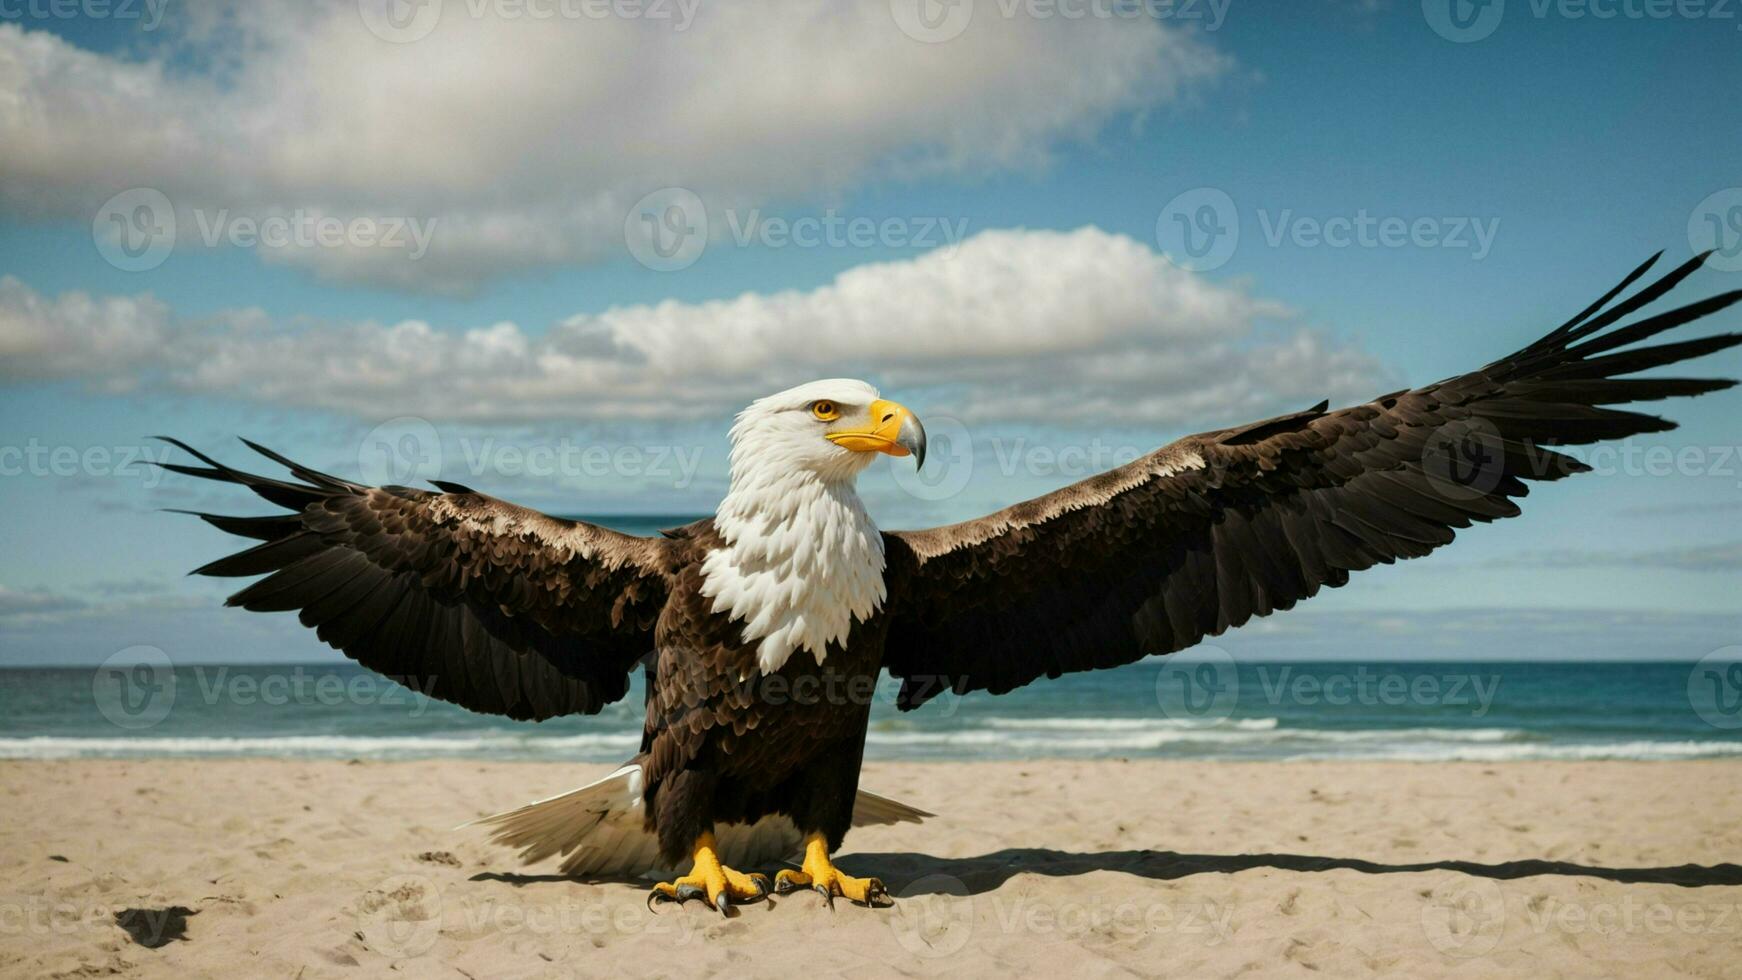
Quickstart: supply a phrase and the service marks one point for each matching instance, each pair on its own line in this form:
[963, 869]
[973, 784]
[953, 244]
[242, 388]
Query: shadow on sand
[909, 873]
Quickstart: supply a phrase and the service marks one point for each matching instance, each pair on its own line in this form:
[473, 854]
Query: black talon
[761, 883]
[874, 890]
[655, 895]
[828, 896]
[785, 886]
[686, 891]
[723, 904]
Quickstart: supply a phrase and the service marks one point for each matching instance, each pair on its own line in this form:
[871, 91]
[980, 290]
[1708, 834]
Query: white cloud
[526, 140]
[76, 336]
[1078, 328]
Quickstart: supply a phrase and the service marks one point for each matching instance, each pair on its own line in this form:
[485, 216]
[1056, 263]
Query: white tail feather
[600, 830]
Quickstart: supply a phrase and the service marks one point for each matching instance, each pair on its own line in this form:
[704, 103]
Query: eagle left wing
[1202, 535]
[466, 598]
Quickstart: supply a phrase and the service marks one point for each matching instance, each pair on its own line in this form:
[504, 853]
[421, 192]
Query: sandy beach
[332, 869]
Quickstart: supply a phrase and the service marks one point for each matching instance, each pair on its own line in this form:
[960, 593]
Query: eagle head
[831, 428]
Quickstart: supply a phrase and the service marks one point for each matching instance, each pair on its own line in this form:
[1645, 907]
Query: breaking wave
[478, 744]
[989, 738]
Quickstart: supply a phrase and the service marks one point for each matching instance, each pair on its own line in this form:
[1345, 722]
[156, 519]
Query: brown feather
[1214, 529]
[491, 606]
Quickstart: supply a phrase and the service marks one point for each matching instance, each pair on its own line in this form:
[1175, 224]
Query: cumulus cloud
[78, 336]
[524, 141]
[1083, 327]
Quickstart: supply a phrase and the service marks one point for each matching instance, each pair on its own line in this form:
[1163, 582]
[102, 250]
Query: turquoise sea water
[1153, 709]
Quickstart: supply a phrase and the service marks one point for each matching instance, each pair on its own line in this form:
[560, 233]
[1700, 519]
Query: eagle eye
[826, 411]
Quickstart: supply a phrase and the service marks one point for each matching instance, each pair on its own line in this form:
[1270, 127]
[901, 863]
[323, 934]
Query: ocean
[1195, 705]
[1487, 712]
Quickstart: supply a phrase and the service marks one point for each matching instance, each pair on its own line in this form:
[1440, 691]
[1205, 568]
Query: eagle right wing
[461, 596]
[1203, 535]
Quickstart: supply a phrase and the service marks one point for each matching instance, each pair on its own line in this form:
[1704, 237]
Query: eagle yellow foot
[710, 880]
[819, 875]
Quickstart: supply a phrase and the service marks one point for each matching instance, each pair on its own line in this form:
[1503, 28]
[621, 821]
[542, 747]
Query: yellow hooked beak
[889, 428]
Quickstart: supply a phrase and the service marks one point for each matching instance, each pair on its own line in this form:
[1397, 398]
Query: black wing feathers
[1203, 535]
[459, 595]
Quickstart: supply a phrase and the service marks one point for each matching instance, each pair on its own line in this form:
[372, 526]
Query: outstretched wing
[459, 595]
[1202, 535]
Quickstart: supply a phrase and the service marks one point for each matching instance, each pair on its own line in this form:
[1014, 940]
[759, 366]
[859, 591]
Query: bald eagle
[763, 629]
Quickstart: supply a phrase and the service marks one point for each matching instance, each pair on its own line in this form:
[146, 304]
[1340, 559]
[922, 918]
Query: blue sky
[1021, 182]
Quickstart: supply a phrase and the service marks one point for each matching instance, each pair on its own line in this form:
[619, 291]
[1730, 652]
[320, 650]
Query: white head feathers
[802, 560]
